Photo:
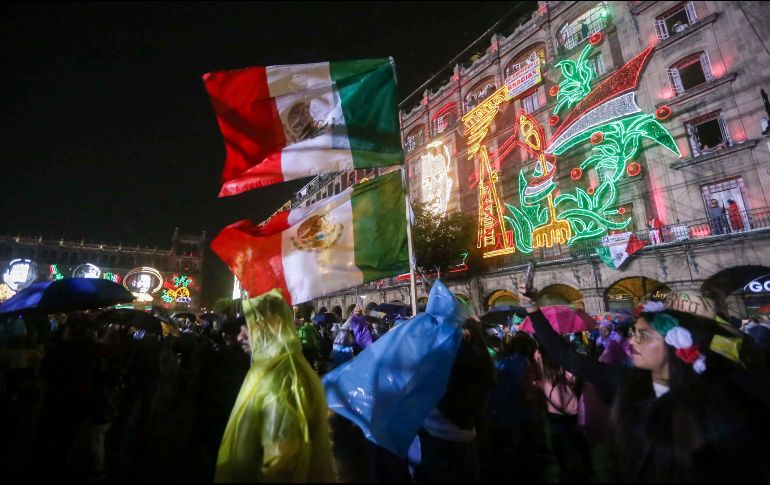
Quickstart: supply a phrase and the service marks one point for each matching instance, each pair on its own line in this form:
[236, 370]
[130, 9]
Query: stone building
[173, 277]
[703, 79]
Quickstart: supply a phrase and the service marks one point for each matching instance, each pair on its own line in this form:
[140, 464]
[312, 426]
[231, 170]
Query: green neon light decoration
[577, 83]
[590, 213]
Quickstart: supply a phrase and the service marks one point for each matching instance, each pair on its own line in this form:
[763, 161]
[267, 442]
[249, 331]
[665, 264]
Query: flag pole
[405, 184]
[412, 286]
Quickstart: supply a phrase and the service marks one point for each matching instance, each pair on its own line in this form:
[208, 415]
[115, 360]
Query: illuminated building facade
[596, 122]
[171, 278]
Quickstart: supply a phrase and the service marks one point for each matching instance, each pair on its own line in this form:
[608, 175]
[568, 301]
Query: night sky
[108, 134]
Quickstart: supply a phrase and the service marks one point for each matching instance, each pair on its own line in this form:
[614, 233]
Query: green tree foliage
[221, 305]
[443, 243]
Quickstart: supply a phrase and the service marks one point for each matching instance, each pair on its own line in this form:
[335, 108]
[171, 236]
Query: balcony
[573, 40]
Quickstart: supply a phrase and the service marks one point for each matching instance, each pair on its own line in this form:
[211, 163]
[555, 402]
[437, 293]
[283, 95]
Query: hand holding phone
[529, 278]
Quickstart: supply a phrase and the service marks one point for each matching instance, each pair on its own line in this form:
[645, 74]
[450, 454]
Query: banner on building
[523, 79]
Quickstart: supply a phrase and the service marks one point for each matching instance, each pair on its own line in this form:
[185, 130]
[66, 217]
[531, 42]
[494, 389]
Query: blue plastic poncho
[390, 388]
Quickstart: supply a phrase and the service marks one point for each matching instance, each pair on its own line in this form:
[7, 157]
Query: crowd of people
[672, 397]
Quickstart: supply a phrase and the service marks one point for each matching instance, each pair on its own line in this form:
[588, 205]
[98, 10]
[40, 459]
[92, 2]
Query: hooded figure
[277, 430]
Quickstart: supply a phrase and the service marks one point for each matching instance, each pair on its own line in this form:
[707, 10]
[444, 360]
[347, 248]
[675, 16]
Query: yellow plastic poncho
[277, 430]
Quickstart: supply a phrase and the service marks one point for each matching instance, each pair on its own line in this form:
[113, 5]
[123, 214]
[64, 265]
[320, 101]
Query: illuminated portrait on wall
[87, 270]
[143, 282]
[19, 274]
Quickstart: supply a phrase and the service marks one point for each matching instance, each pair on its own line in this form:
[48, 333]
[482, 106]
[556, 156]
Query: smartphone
[529, 278]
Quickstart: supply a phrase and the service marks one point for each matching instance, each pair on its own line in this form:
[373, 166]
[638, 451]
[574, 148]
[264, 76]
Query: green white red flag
[617, 248]
[354, 237]
[288, 122]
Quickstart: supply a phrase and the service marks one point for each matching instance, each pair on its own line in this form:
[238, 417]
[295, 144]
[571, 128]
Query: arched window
[579, 29]
[444, 119]
[689, 72]
[415, 139]
[479, 93]
[525, 58]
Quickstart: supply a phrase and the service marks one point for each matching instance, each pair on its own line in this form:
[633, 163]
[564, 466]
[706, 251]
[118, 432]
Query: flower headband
[675, 335]
[681, 339]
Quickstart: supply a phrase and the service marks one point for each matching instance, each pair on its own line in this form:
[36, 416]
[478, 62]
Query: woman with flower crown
[694, 407]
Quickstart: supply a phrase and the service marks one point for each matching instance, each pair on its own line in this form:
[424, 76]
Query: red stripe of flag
[253, 254]
[250, 123]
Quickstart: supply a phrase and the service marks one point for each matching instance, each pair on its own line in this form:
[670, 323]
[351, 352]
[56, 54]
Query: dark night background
[108, 134]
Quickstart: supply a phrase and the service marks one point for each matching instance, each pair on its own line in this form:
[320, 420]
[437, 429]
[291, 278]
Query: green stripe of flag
[379, 227]
[367, 89]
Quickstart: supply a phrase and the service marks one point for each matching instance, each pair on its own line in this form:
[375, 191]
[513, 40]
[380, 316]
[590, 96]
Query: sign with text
[759, 285]
[523, 79]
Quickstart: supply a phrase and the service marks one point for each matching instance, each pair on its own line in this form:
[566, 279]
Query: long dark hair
[556, 375]
[708, 427]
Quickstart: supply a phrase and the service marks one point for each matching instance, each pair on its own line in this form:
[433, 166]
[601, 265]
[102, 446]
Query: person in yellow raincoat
[278, 429]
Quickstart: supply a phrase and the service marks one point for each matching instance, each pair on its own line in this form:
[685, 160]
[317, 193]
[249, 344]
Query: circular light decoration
[663, 112]
[621, 210]
[20, 273]
[633, 169]
[590, 191]
[554, 90]
[87, 270]
[596, 38]
[142, 282]
[114, 277]
[576, 173]
[553, 120]
[597, 137]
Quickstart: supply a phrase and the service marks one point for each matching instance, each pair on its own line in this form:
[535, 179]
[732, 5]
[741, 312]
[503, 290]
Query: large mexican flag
[287, 122]
[352, 238]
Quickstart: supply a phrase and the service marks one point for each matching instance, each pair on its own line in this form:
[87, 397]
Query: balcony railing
[670, 235]
[578, 36]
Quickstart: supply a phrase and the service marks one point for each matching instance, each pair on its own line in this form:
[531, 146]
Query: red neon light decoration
[576, 173]
[554, 90]
[624, 79]
[553, 120]
[596, 38]
[663, 112]
[633, 169]
[590, 191]
[621, 210]
[597, 137]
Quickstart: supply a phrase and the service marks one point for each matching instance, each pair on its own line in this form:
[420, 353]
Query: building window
[445, 119]
[708, 134]
[531, 103]
[690, 72]
[414, 140]
[730, 195]
[597, 64]
[479, 93]
[578, 30]
[675, 20]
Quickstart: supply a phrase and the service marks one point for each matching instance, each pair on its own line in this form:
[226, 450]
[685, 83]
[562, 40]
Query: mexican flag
[618, 247]
[354, 237]
[287, 122]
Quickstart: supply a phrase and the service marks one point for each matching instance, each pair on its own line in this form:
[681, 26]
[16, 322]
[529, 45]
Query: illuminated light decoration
[576, 173]
[5, 292]
[478, 120]
[19, 274]
[142, 282]
[577, 81]
[435, 182]
[554, 90]
[114, 277]
[621, 210]
[633, 169]
[177, 289]
[492, 238]
[596, 38]
[623, 80]
[87, 270]
[610, 115]
[663, 112]
[54, 272]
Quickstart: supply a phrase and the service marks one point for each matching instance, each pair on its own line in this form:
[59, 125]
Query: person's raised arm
[605, 377]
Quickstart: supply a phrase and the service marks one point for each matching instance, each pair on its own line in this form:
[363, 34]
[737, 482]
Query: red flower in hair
[689, 354]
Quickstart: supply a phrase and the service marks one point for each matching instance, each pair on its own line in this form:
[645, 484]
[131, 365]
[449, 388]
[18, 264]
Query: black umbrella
[325, 318]
[134, 318]
[393, 309]
[66, 295]
[374, 320]
[500, 315]
[187, 315]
